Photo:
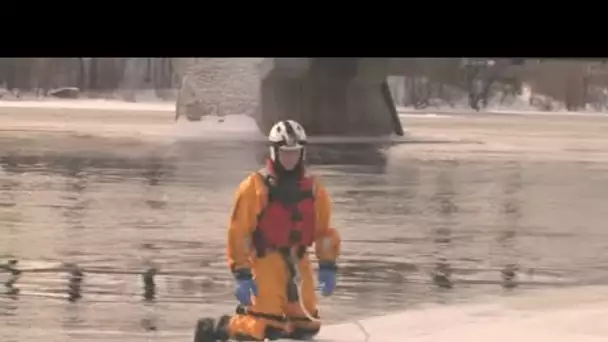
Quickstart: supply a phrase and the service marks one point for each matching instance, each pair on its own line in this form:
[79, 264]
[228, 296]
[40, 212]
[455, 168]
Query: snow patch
[562, 315]
[100, 104]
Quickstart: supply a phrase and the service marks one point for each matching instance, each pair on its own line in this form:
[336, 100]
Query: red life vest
[289, 217]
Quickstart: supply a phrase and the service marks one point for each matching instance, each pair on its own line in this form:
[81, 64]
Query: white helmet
[286, 135]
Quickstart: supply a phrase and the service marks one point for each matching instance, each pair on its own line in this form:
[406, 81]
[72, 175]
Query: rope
[297, 280]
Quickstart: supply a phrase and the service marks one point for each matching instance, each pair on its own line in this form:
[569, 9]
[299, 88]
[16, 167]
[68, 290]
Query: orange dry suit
[269, 233]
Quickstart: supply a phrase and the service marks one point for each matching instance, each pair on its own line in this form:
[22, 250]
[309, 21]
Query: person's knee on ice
[303, 327]
[304, 333]
[279, 212]
[207, 330]
[244, 327]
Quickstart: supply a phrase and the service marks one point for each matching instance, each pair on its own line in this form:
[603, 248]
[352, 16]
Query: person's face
[289, 158]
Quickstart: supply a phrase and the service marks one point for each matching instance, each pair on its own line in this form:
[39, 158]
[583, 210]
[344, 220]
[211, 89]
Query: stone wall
[219, 86]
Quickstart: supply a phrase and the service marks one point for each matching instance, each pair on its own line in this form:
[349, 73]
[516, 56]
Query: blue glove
[327, 277]
[245, 286]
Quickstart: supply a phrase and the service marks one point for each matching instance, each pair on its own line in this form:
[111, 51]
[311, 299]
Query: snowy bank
[446, 111]
[100, 104]
[561, 315]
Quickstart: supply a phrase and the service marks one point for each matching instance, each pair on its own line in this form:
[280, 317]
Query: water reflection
[73, 165]
[507, 236]
[9, 300]
[10, 163]
[444, 201]
[74, 317]
[368, 157]
[74, 209]
[9, 216]
[418, 231]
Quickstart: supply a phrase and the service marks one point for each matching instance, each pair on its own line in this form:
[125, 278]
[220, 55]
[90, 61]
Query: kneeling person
[279, 212]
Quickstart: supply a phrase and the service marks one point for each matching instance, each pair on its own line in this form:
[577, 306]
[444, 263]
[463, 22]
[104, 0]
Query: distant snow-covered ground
[97, 104]
[525, 103]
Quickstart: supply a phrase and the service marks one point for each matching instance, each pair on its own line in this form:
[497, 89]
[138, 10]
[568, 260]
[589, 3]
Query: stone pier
[328, 96]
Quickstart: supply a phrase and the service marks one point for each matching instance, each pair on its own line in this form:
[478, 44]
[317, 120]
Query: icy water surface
[403, 218]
